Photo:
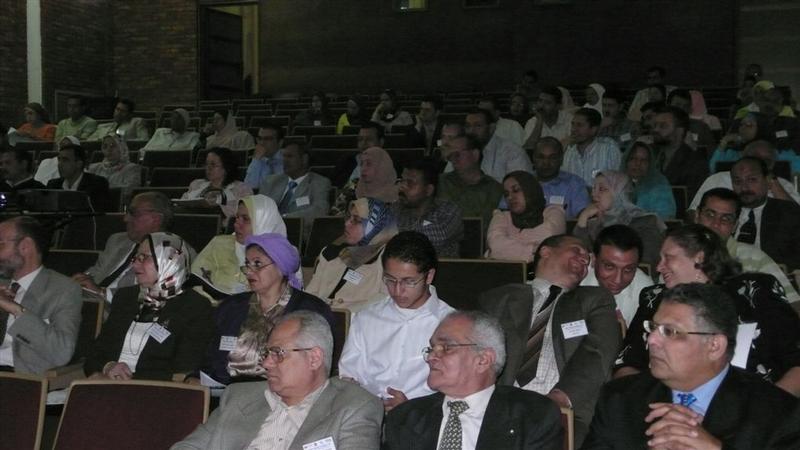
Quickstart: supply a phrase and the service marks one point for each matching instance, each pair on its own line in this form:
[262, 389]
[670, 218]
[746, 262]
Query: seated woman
[222, 132]
[244, 321]
[157, 329]
[695, 254]
[700, 112]
[519, 109]
[377, 179]
[116, 166]
[651, 189]
[37, 126]
[731, 145]
[221, 186]
[515, 234]
[317, 115]
[349, 272]
[353, 117]
[389, 114]
[176, 137]
[594, 97]
[611, 204]
[217, 265]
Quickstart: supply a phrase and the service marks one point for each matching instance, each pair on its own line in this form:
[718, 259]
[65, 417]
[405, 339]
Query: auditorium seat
[22, 407]
[260, 121]
[681, 194]
[304, 130]
[167, 158]
[175, 176]
[294, 232]
[242, 158]
[460, 281]
[324, 230]
[330, 156]
[471, 246]
[338, 141]
[341, 320]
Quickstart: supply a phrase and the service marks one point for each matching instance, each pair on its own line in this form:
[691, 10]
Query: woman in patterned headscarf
[244, 321]
[349, 271]
[515, 234]
[156, 329]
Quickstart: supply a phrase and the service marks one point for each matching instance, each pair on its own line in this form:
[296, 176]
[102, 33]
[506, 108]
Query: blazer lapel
[725, 409]
[34, 296]
[426, 426]
[319, 412]
[497, 429]
[249, 419]
[519, 312]
[565, 311]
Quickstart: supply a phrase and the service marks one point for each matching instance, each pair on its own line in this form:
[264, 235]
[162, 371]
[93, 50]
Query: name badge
[302, 201]
[594, 173]
[438, 142]
[556, 199]
[322, 444]
[159, 333]
[695, 137]
[574, 329]
[317, 123]
[227, 343]
[781, 134]
[353, 276]
[389, 116]
[625, 137]
[425, 223]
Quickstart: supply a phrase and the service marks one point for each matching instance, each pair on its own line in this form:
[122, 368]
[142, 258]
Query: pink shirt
[506, 241]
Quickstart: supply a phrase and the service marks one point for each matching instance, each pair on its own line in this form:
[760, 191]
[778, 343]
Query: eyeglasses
[254, 267]
[442, 349]
[670, 332]
[279, 354]
[405, 283]
[725, 219]
[141, 257]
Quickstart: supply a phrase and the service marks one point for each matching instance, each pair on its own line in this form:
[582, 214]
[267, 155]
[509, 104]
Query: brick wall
[13, 62]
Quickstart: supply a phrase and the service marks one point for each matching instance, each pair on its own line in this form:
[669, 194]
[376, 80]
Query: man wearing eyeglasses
[298, 406]
[692, 397]
[719, 210]
[382, 350]
[466, 353]
[561, 338]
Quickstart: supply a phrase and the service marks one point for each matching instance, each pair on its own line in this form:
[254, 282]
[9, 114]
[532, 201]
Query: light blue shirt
[259, 169]
[569, 191]
[601, 154]
[704, 393]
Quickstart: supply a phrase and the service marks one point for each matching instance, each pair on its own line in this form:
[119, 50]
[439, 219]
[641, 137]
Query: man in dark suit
[692, 397]
[71, 165]
[768, 223]
[561, 338]
[16, 167]
[682, 165]
[466, 355]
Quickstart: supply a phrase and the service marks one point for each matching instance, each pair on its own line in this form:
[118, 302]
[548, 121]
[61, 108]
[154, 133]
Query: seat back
[334, 141]
[175, 176]
[323, 231]
[69, 262]
[22, 405]
[459, 281]
[471, 246]
[568, 422]
[681, 194]
[294, 232]
[330, 156]
[197, 229]
[91, 321]
[341, 319]
[155, 414]
[167, 158]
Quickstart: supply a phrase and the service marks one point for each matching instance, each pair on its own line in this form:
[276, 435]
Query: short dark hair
[27, 226]
[411, 247]
[718, 265]
[554, 92]
[323, 98]
[228, 163]
[722, 194]
[274, 127]
[550, 141]
[533, 74]
[680, 116]
[428, 169]
[620, 236]
[129, 103]
[680, 93]
[485, 113]
[712, 307]
[77, 150]
[614, 94]
[434, 100]
[661, 71]
[757, 162]
[591, 115]
[20, 155]
[552, 242]
[472, 143]
[161, 204]
[374, 126]
[392, 95]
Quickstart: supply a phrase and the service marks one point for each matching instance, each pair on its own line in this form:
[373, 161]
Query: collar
[74, 186]
[704, 393]
[276, 402]
[431, 305]
[298, 180]
[477, 401]
[26, 281]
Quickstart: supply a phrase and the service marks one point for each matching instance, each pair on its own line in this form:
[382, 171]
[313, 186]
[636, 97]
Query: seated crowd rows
[668, 337]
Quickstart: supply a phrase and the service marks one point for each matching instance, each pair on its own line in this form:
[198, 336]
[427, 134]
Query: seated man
[177, 136]
[615, 124]
[267, 158]
[40, 310]
[124, 125]
[718, 210]
[427, 129]
[700, 137]
[549, 120]
[560, 188]
[469, 411]
[418, 209]
[298, 406]
[507, 129]
[147, 213]
[561, 338]
[500, 156]
[476, 193]
[692, 397]
[71, 165]
[296, 191]
[588, 154]
[381, 352]
[617, 253]
[16, 170]
[78, 124]
[682, 165]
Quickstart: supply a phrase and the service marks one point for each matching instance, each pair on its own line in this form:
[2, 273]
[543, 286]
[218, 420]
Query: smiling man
[382, 351]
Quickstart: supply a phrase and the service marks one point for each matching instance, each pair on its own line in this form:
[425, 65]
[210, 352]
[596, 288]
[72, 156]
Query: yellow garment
[343, 122]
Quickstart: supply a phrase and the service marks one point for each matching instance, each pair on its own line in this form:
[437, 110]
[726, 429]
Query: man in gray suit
[147, 213]
[561, 338]
[298, 192]
[40, 310]
[298, 406]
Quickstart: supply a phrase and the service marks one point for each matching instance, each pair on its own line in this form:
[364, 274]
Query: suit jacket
[780, 223]
[313, 188]
[584, 362]
[45, 335]
[687, 168]
[743, 414]
[118, 247]
[514, 419]
[94, 185]
[343, 411]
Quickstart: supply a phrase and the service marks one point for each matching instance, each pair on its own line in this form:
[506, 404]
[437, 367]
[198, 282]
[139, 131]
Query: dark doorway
[221, 54]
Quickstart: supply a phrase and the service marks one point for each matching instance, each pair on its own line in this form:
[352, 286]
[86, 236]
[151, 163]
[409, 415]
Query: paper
[556, 199]
[625, 137]
[353, 277]
[574, 329]
[322, 444]
[745, 334]
[159, 333]
[227, 343]
[206, 380]
[426, 223]
[781, 134]
[317, 123]
[302, 201]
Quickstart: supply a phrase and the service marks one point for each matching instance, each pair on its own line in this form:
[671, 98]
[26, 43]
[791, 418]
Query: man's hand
[86, 282]
[677, 427]
[259, 151]
[777, 190]
[119, 371]
[7, 303]
[560, 397]
[398, 397]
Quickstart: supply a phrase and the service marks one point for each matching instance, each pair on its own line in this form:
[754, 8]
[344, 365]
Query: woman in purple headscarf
[245, 320]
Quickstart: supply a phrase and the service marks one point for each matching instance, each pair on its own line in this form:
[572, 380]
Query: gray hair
[161, 204]
[487, 333]
[314, 332]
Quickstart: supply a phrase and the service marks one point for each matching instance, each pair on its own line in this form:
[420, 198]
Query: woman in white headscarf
[226, 134]
[116, 166]
[594, 97]
[156, 329]
[217, 265]
[176, 137]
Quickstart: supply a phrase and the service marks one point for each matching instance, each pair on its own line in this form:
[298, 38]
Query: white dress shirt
[744, 216]
[6, 350]
[471, 419]
[547, 369]
[510, 130]
[560, 130]
[384, 346]
[627, 300]
[284, 421]
[501, 157]
[65, 185]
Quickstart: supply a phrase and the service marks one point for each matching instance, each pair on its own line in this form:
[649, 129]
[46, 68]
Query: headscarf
[383, 186]
[281, 252]
[700, 112]
[622, 210]
[566, 99]
[223, 137]
[40, 111]
[185, 116]
[534, 200]
[124, 155]
[171, 257]
[650, 179]
[264, 218]
[600, 90]
[379, 226]
[72, 139]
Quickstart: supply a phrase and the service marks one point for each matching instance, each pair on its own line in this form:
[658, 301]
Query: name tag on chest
[574, 329]
[353, 276]
[159, 333]
[302, 201]
[556, 199]
[227, 343]
[322, 444]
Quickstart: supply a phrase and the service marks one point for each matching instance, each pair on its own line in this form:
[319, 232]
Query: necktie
[747, 233]
[554, 291]
[287, 197]
[14, 286]
[451, 436]
[122, 268]
[533, 348]
[686, 399]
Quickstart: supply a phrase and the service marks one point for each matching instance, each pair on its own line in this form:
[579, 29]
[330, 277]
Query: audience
[223, 132]
[176, 136]
[348, 169]
[354, 116]
[388, 113]
[519, 110]
[427, 128]
[516, 234]
[317, 115]
[615, 124]
[116, 166]
[72, 161]
[221, 186]
[560, 188]
[699, 136]
[40, 310]
[348, 271]
[550, 118]
[507, 129]
[267, 156]
[588, 154]
[594, 97]
[37, 126]
[381, 352]
[16, 170]
[499, 156]
[651, 189]
[124, 125]
[377, 179]
[77, 123]
[732, 144]
[655, 76]
[682, 165]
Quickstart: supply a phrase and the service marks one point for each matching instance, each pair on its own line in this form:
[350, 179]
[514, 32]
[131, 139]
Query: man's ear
[486, 360]
[316, 357]
[718, 346]
[430, 276]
